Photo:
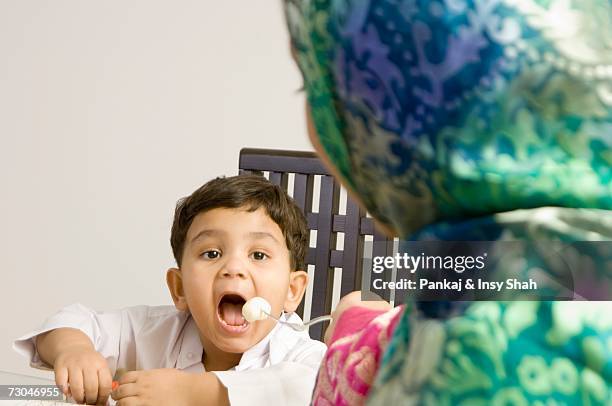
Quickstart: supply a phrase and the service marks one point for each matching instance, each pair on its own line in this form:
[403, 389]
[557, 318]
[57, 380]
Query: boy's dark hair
[250, 192]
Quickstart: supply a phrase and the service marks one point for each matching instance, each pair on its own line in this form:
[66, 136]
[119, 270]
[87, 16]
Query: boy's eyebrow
[262, 234]
[206, 233]
[211, 233]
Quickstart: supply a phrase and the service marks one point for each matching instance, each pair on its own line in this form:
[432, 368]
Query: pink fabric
[348, 370]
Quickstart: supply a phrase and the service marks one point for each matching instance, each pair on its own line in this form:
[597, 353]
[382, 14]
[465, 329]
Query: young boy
[233, 239]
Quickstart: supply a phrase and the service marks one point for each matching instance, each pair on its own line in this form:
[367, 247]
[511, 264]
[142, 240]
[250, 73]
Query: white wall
[109, 112]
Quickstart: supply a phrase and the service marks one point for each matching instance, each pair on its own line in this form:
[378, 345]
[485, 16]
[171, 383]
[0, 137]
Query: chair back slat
[324, 274]
[275, 177]
[303, 190]
[352, 258]
[306, 169]
[381, 247]
[300, 190]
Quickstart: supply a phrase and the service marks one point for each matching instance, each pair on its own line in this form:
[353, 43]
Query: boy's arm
[52, 343]
[105, 331]
[286, 383]
[79, 369]
[170, 386]
[78, 338]
[209, 387]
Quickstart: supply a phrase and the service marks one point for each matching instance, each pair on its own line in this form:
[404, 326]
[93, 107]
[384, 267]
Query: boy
[233, 238]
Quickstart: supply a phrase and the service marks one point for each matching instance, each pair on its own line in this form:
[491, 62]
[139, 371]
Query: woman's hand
[348, 301]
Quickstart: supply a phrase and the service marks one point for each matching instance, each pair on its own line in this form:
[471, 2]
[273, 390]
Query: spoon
[302, 326]
[258, 308]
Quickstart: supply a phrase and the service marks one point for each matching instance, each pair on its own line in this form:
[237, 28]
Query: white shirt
[279, 370]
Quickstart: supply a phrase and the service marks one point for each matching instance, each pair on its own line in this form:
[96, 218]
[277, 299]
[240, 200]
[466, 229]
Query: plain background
[109, 112]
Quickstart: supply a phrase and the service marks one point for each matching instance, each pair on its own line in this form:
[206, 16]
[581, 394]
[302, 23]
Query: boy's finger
[90, 384]
[125, 391]
[105, 382]
[128, 377]
[61, 379]
[75, 380]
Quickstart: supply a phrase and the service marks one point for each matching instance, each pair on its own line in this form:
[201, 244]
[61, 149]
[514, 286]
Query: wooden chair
[303, 170]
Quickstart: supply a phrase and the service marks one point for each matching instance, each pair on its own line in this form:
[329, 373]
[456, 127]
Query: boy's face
[230, 256]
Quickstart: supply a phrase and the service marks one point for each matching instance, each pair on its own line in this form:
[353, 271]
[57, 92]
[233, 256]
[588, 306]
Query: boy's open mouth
[230, 310]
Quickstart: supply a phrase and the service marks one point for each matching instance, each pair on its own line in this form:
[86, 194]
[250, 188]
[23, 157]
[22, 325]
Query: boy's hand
[169, 387]
[86, 372]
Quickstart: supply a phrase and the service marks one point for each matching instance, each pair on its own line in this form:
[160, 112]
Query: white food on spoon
[255, 309]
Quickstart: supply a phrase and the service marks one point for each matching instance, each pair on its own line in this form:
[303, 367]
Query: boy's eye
[258, 255]
[211, 254]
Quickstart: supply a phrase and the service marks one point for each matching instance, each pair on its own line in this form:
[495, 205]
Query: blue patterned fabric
[435, 110]
[475, 120]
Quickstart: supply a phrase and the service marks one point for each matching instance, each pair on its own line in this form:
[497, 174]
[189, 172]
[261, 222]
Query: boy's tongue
[231, 313]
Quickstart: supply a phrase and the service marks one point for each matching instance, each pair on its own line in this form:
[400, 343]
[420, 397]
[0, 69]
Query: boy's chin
[237, 345]
[242, 343]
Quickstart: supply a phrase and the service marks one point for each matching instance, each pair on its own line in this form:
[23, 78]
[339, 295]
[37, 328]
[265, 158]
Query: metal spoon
[300, 326]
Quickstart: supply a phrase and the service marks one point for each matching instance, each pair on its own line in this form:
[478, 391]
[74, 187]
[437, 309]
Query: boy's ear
[298, 280]
[174, 279]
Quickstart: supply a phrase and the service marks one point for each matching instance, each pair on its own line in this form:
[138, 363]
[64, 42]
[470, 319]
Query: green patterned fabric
[437, 110]
[517, 353]
[511, 353]
[475, 120]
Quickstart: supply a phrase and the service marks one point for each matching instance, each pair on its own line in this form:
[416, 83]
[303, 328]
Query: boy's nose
[233, 268]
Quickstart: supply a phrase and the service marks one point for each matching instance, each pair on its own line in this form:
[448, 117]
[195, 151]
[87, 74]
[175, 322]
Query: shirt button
[190, 355]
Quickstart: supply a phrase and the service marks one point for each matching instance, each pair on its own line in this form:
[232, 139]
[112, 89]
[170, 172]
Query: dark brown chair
[304, 170]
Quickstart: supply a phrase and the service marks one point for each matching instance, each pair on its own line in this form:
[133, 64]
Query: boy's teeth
[240, 325]
[231, 314]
